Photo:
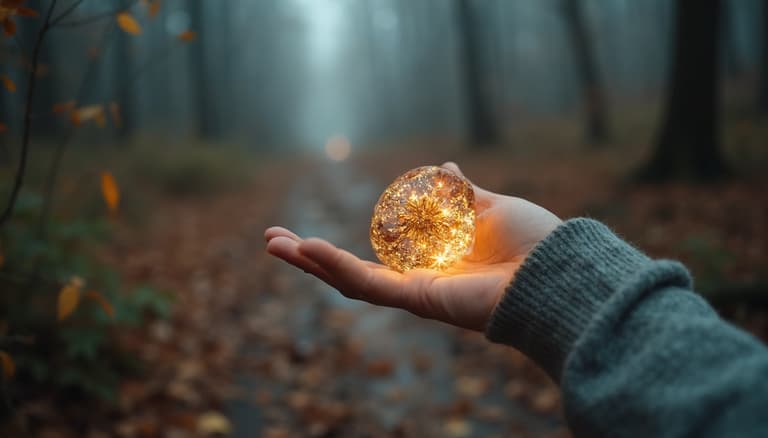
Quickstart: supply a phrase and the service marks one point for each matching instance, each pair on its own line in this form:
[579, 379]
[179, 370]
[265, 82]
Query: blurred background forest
[145, 146]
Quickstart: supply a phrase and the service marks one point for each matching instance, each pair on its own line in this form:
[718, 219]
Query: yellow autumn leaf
[8, 83]
[9, 367]
[187, 36]
[69, 297]
[9, 27]
[109, 191]
[100, 119]
[213, 423]
[128, 24]
[102, 301]
[154, 8]
[86, 113]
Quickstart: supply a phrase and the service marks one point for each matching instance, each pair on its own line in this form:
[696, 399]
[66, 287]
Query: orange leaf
[9, 367]
[26, 12]
[109, 191]
[114, 111]
[42, 70]
[63, 107]
[8, 83]
[128, 24]
[3, 127]
[105, 305]
[12, 4]
[9, 27]
[94, 52]
[86, 113]
[100, 119]
[69, 297]
[187, 36]
[154, 8]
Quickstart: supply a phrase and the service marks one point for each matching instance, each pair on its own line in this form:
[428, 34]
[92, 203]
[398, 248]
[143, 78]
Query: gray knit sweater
[635, 351]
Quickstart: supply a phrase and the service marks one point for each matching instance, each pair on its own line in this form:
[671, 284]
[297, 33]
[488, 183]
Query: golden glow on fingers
[424, 219]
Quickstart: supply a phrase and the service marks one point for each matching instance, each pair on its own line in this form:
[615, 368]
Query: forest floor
[257, 348]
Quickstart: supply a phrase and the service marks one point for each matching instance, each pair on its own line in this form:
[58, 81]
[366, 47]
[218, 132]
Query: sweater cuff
[559, 288]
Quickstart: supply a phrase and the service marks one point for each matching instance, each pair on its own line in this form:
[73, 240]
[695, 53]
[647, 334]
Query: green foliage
[194, 170]
[78, 353]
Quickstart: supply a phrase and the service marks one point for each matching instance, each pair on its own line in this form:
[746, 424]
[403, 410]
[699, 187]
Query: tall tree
[46, 93]
[733, 61]
[123, 65]
[592, 88]
[688, 145]
[207, 118]
[482, 126]
[763, 100]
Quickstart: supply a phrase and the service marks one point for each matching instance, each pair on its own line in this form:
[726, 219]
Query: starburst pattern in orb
[424, 219]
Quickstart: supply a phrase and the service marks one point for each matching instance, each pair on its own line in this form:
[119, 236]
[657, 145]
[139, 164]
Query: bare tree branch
[66, 12]
[53, 170]
[93, 18]
[32, 81]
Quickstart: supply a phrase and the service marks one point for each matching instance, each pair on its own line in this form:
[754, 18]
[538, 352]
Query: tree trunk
[734, 65]
[45, 126]
[586, 64]
[688, 145]
[763, 99]
[482, 126]
[124, 90]
[206, 114]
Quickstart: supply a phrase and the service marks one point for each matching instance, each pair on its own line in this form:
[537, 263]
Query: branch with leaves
[61, 21]
[71, 294]
[31, 82]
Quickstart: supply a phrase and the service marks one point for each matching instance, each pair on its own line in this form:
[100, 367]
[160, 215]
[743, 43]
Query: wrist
[558, 289]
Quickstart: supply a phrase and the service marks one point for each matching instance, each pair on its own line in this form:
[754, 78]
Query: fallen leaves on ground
[247, 331]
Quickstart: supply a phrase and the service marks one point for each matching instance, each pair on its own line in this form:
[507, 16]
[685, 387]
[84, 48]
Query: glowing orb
[424, 219]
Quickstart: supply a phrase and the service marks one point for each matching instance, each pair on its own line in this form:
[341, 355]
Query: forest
[145, 146]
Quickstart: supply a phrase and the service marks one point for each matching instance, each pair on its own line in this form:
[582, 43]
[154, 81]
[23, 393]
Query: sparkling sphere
[424, 219]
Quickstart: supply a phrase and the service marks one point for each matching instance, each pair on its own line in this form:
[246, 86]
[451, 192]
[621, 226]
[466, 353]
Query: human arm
[634, 350]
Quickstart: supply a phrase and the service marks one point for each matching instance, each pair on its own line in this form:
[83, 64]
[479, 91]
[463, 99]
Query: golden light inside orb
[424, 219]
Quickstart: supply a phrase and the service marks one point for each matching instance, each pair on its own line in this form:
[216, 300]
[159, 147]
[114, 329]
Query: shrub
[74, 352]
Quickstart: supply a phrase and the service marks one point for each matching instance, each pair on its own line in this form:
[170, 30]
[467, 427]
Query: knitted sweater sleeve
[635, 351]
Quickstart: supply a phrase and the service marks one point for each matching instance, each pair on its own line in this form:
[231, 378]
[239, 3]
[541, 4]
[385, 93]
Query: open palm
[507, 228]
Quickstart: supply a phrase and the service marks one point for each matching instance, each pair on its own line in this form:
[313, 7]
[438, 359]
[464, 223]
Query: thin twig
[96, 17]
[66, 12]
[17, 339]
[21, 170]
[53, 170]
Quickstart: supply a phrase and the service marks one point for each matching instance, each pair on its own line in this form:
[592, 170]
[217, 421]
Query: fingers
[273, 232]
[353, 277]
[348, 274]
[287, 249]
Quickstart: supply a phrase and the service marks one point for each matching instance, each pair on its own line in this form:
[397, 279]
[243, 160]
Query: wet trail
[323, 365]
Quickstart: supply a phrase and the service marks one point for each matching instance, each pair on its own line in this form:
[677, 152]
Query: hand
[507, 228]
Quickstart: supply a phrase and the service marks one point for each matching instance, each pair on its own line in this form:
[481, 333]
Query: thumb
[453, 167]
[482, 195]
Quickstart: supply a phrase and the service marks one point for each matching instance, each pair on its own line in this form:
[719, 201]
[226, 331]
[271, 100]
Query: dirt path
[280, 354]
[323, 365]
